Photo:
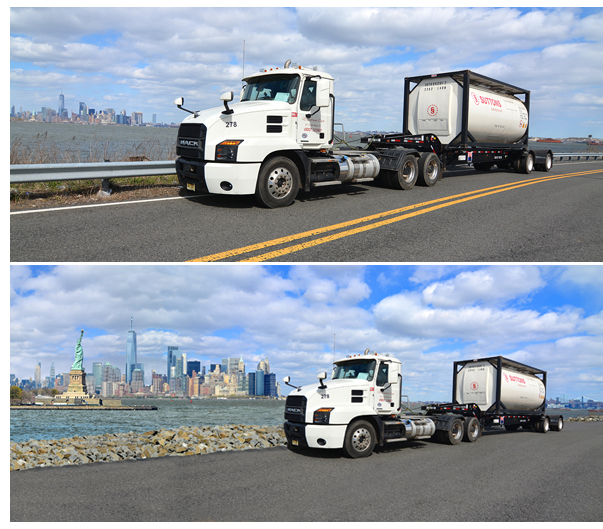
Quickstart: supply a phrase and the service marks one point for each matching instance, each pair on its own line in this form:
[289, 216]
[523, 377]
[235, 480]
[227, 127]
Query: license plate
[190, 187]
[294, 442]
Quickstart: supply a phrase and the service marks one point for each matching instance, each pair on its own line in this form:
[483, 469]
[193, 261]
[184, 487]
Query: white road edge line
[100, 205]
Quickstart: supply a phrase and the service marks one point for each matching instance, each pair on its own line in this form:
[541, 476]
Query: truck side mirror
[226, 97]
[179, 101]
[286, 380]
[392, 376]
[323, 96]
[321, 377]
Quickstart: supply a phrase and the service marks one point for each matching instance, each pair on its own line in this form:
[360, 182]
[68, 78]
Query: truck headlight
[227, 150]
[322, 415]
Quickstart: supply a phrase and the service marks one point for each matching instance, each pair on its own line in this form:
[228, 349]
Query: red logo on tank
[432, 110]
[475, 98]
[474, 386]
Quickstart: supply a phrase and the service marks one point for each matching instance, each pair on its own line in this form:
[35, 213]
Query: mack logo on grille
[189, 143]
[294, 410]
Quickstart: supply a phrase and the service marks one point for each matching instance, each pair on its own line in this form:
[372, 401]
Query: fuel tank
[476, 383]
[436, 107]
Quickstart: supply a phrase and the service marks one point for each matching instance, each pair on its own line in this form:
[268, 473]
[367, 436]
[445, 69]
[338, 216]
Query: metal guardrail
[26, 173]
[578, 156]
[56, 172]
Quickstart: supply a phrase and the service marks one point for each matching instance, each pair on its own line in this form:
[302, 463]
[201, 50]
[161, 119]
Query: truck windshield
[272, 88]
[360, 369]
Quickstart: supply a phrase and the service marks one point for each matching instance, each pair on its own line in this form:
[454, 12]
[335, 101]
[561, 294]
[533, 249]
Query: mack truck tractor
[280, 137]
[362, 406]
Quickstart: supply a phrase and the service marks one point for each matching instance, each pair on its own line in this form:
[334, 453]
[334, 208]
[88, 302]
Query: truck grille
[295, 408]
[191, 140]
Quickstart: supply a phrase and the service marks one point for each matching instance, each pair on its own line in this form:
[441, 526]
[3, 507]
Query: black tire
[278, 183]
[558, 426]
[482, 166]
[547, 165]
[473, 430]
[526, 164]
[360, 440]
[544, 425]
[406, 176]
[430, 169]
[454, 435]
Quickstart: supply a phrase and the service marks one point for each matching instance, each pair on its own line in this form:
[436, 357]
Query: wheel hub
[280, 182]
[361, 439]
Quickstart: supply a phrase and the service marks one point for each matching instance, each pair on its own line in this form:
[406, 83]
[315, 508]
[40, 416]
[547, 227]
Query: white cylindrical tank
[436, 107]
[476, 383]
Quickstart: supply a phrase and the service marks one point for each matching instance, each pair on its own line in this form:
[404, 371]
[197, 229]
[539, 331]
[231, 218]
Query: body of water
[171, 413]
[94, 143]
[97, 143]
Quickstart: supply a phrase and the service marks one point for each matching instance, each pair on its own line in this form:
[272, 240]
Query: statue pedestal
[77, 383]
[77, 392]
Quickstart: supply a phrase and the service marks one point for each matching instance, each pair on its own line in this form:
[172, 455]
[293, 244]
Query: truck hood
[332, 386]
[212, 115]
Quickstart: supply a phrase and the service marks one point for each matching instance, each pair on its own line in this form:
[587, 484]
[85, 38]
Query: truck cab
[355, 410]
[257, 146]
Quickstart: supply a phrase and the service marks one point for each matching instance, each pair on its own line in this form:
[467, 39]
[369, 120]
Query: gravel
[182, 441]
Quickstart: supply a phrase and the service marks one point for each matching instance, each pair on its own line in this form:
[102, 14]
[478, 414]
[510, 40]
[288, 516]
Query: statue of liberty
[79, 354]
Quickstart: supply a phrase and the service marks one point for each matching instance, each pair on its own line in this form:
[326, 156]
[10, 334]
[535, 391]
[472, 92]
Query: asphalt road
[504, 476]
[467, 217]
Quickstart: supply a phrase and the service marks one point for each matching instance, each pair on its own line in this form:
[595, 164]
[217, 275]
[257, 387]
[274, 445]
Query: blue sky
[141, 59]
[550, 317]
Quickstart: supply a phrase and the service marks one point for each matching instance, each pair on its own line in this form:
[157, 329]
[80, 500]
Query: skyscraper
[52, 377]
[61, 104]
[172, 352]
[97, 371]
[38, 375]
[130, 353]
[259, 382]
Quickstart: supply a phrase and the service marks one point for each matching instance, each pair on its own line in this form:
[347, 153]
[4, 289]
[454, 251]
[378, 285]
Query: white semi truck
[362, 405]
[280, 138]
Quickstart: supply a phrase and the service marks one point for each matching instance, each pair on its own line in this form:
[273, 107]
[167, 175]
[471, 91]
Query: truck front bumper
[315, 435]
[219, 178]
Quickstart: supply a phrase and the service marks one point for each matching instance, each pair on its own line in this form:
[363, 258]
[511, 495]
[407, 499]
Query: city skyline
[304, 317]
[144, 58]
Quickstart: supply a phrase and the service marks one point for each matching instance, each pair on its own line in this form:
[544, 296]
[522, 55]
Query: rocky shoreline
[182, 441]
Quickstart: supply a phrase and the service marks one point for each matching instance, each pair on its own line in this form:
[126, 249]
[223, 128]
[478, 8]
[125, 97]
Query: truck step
[331, 183]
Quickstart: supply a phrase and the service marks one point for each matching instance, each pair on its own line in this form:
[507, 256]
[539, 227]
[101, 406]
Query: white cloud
[160, 53]
[302, 317]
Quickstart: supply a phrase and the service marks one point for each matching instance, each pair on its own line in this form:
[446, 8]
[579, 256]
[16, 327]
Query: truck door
[313, 122]
[385, 391]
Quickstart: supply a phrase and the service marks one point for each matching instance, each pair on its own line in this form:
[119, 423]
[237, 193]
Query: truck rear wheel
[360, 439]
[472, 430]
[278, 183]
[544, 425]
[454, 435]
[406, 176]
[524, 165]
[429, 169]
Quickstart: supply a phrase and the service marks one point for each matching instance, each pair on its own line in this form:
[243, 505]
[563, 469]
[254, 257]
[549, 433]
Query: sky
[141, 59]
[302, 317]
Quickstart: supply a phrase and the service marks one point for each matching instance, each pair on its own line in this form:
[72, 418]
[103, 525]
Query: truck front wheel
[360, 439]
[278, 183]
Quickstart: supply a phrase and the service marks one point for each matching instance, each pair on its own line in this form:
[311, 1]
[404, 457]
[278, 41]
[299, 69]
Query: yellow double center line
[413, 211]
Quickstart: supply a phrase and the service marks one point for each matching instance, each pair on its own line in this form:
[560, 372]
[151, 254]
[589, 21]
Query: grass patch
[44, 151]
